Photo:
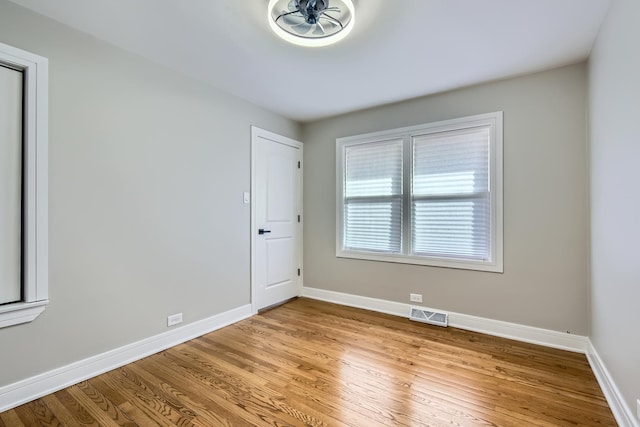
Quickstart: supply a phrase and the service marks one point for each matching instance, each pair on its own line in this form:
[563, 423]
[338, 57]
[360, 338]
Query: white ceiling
[398, 49]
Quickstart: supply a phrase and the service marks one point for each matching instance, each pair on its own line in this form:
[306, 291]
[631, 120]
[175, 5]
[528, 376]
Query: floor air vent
[426, 316]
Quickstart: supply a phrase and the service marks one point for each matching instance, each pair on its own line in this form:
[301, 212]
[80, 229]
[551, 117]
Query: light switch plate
[246, 197]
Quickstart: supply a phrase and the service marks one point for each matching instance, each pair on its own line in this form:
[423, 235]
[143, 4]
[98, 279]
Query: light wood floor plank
[310, 363]
[65, 416]
[98, 406]
[11, 419]
[79, 413]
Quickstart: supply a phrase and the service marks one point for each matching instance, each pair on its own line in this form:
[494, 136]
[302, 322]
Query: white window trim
[35, 213]
[406, 133]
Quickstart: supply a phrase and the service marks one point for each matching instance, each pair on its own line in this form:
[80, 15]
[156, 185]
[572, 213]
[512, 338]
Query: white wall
[614, 90]
[146, 174]
[545, 280]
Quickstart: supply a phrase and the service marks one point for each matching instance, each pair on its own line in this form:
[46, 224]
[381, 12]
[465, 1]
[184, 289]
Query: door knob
[263, 231]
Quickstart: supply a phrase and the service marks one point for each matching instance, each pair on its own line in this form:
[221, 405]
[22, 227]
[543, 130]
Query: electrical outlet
[415, 297]
[174, 319]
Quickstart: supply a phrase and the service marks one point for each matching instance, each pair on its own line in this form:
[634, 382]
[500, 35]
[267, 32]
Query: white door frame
[255, 133]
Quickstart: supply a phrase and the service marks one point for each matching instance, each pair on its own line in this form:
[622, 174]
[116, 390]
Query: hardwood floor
[318, 364]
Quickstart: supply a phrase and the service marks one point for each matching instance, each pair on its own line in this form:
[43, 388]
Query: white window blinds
[451, 205]
[429, 194]
[373, 197]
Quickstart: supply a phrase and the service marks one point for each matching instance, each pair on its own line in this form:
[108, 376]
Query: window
[428, 194]
[23, 186]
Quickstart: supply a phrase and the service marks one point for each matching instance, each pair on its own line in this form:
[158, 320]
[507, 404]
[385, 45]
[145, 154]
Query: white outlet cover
[415, 297]
[174, 319]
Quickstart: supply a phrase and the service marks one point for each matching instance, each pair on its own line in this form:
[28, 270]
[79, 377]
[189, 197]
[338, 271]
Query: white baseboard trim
[24, 391]
[622, 411]
[545, 337]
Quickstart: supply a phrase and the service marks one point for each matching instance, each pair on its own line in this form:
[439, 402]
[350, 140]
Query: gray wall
[614, 88]
[545, 280]
[147, 171]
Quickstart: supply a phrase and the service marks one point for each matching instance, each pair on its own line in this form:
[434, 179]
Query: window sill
[432, 262]
[21, 312]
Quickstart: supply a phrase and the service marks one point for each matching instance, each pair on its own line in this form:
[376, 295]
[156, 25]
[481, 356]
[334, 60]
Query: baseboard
[622, 412]
[24, 391]
[555, 339]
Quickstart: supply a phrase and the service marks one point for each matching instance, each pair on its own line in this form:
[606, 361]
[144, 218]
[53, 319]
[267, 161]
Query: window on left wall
[23, 186]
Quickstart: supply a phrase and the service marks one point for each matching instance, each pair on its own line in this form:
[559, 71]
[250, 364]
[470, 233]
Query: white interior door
[276, 210]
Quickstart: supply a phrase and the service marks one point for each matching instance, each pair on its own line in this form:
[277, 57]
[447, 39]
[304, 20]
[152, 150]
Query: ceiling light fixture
[311, 22]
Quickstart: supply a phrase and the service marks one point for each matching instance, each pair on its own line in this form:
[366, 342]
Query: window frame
[35, 252]
[495, 122]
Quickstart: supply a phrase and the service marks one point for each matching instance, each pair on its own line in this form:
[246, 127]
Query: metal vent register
[431, 317]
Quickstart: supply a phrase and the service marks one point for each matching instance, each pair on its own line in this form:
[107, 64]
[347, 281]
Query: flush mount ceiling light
[311, 22]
